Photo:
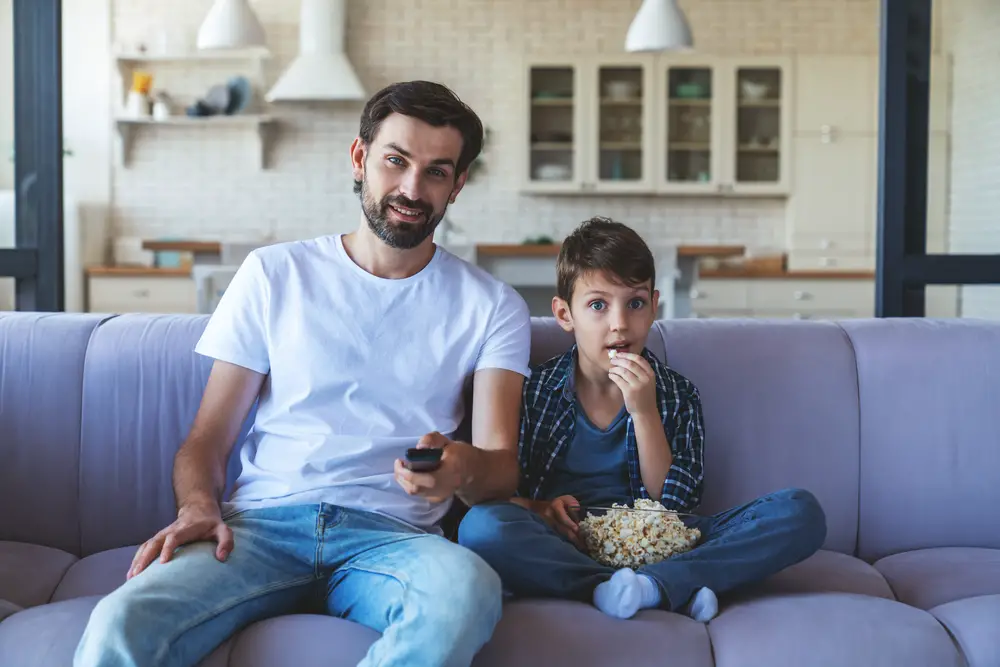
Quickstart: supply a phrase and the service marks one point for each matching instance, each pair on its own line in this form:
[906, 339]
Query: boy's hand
[557, 514]
[441, 484]
[634, 376]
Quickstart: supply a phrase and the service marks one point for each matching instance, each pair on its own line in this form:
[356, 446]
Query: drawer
[805, 296]
[141, 294]
[832, 261]
[719, 294]
[812, 315]
[712, 314]
[832, 243]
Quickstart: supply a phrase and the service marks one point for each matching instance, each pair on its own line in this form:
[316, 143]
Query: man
[358, 346]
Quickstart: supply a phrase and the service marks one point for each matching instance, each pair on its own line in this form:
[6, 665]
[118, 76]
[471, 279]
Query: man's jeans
[739, 546]
[435, 602]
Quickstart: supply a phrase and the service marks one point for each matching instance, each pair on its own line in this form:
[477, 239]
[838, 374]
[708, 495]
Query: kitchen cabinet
[149, 291]
[649, 124]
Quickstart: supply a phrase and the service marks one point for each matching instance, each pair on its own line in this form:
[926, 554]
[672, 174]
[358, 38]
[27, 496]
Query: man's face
[605, 314]
[408, 178]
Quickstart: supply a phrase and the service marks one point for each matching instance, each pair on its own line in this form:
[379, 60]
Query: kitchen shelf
[261, 124]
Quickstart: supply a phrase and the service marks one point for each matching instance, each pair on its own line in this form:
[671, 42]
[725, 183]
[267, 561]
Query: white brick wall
[973, 35]
[189, 183]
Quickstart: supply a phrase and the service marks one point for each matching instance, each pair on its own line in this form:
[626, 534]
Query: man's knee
[472, 589]
[116, 627]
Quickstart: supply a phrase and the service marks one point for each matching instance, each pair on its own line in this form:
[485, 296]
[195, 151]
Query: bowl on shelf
[553, 172]
[621, 90]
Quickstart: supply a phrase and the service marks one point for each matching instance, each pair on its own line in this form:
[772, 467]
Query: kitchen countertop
[791, 275]
[138, 271]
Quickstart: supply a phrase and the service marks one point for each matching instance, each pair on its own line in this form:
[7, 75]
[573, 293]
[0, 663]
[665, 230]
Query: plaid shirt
[548, 420]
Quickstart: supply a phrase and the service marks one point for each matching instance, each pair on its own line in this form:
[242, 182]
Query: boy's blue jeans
[435, 602]
[740, 546]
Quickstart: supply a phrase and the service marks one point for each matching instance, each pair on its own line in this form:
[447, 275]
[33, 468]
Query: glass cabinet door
[758, 145]
[621, 128]
[554, 96]
[690, 160]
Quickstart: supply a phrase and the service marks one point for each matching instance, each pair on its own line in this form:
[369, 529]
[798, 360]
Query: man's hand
[557, 514]
[634, 376]
[194, 524]
[440, 484]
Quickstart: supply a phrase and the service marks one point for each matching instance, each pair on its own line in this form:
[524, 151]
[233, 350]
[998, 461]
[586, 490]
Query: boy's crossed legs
[739, 546]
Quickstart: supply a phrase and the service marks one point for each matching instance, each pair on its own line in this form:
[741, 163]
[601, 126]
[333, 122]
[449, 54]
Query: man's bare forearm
[199, 477]
[488, 475]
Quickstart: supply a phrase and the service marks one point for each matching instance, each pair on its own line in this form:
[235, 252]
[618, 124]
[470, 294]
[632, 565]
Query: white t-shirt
[359, 368]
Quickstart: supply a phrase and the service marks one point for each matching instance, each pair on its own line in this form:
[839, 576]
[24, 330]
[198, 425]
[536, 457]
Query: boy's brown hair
[601, 244]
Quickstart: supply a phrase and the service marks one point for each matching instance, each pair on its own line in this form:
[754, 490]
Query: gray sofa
[894, 425]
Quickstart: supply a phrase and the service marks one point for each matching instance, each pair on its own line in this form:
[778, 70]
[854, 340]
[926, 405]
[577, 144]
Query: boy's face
[605, 314]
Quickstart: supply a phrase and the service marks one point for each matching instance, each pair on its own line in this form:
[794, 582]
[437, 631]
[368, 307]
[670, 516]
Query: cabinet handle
[826, 133]
[141, 293]
[695, 294]
[825, 244]
[799, 295]
[827, 261]
[800, 316]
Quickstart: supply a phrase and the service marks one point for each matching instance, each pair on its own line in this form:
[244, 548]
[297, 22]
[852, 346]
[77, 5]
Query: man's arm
[200, 464]
[492, 471]
[488, 468]
[200, 467]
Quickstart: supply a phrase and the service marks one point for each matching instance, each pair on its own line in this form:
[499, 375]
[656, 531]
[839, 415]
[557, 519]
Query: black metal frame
[36, 261]
[903, 267]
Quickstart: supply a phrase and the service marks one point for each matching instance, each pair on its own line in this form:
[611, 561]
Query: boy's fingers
[622, 374]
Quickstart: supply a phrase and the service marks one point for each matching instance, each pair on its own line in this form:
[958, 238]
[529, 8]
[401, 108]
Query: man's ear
[459, 184]
[358, 150]
[562, 313]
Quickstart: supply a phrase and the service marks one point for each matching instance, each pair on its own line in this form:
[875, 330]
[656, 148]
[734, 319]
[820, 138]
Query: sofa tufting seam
[79, 443]
[857, 386]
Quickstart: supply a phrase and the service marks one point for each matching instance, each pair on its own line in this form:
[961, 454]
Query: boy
[607, 422]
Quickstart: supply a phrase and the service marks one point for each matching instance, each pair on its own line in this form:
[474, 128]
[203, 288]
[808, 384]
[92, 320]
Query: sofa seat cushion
[98, 574]
[551, 632]
[48, 635]
[29, 573]
[829, 629]
[823, 572]
[7, 608]
[930, 577]
[973, 622]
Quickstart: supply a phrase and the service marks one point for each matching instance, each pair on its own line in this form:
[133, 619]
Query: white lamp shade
[659, 25]
[231, 24]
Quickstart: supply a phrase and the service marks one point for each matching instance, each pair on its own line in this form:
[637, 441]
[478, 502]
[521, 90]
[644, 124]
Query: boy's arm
[655, 457]
[682, 487]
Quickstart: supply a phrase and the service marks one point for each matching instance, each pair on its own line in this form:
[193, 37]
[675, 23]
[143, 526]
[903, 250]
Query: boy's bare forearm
[655, 457]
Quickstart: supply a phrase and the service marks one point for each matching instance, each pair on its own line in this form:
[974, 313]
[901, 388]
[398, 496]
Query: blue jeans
[740, 546]
[407, 584]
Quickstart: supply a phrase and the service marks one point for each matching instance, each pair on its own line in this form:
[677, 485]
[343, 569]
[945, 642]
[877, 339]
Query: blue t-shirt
[594, 466]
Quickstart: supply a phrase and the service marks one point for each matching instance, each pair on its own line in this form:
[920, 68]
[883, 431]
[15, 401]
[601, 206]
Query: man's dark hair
[433, 103]
[603, 245]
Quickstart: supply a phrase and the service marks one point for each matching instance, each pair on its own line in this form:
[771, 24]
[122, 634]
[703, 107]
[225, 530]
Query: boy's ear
[562, 313]
[656, 301]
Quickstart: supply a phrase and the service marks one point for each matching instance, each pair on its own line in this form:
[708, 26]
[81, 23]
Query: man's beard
[398, 234]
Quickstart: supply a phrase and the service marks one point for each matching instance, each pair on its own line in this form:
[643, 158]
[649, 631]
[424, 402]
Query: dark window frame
[36, 260]
[903, 266]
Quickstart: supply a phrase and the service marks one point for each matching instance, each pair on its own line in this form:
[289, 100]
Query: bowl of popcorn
[622, 536]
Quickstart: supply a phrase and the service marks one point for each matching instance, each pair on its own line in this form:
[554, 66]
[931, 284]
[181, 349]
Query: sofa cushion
[781, 410]
[30, 573]
[48, 635]
[142, 387]
[303, 640]
[929, 433]
[42, 359]
[973, 623]
[98, 574]
[829, 629]
[824, 572]
[931, 577]
[553, 632]
[7, 608]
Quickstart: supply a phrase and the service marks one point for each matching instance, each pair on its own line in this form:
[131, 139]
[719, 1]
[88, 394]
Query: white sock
[703, 606]
[625, 593]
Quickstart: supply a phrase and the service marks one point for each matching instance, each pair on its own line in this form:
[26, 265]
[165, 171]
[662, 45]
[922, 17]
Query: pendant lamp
[659, 25]
[231, 24]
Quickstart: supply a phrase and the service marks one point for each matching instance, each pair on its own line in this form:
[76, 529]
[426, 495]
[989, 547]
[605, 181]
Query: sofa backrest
[930, 434]
[92, 412]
